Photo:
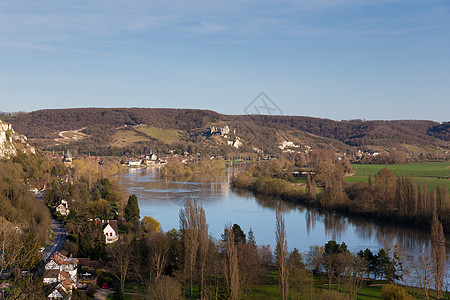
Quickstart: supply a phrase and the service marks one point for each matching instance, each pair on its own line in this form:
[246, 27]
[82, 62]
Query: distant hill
[118, 131]
[441, 131]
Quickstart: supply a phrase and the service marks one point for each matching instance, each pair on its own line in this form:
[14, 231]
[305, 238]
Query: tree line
[384, 197]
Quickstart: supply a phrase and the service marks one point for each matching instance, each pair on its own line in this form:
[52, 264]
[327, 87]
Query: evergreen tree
[239, 235]
[132, 211]
[251, 238]
[99, 244]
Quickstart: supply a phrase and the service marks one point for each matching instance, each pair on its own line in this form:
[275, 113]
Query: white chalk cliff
[12, 143]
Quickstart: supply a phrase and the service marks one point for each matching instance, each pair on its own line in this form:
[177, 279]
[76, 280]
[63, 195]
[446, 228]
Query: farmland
[166, 135]
[430, 173]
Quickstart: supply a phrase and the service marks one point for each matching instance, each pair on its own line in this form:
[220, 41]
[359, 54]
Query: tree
[335, 259]
[19, 249]
[438, 253]
[231, 264]
[251, 238]
[389, 267]
[282, 255]
[203, 248]
[385, 188]
[121, 259]
[158, 245]
[371, 260]
[190, 235]
[299, 278]
[314, 258]
[354, 272]
[239, 235]
[132, 211]
[215, 270]
[250, 267]
[423, 268]
[149, 224]
[166, 288]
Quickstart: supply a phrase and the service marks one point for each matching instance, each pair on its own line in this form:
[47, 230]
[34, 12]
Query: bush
[328, 295]
[394, 292]
[166, 288]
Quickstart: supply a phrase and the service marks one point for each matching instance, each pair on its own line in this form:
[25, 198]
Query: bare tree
[203, 241]
[354, 272]
[231, 263]
[423, 268]
[282, 255]
[250, 267]
[314, 258]
[122, 255]
[159, 245]
[214, 269]
[438, 254]
[9, 240]
[196, 240]
[167, 288]
[190, 233]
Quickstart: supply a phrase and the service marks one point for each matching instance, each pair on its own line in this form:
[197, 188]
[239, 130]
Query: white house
[110, 230]
[134, 163]
[63, 208]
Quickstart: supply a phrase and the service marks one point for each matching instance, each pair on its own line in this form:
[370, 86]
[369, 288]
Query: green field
[167, 136]
[428, 173]
[124, 138]
[269, 289]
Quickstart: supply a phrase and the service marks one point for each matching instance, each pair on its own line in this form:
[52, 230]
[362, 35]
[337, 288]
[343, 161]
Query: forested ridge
[263, 132]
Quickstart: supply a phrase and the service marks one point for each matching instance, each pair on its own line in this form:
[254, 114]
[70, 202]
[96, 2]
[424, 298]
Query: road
[59, 239]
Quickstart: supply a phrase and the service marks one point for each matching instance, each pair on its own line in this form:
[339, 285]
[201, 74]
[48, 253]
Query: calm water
[305, 227]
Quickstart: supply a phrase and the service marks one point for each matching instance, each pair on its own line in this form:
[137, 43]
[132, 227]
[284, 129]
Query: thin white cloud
[208, 28]
[58, 24]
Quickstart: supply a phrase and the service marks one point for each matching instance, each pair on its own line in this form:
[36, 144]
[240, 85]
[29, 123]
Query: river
[305, 227]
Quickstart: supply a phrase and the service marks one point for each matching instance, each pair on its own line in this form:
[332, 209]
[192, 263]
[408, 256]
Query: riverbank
[348, 205]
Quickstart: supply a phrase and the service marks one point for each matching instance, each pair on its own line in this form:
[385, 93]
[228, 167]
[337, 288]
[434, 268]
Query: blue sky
[340, 59]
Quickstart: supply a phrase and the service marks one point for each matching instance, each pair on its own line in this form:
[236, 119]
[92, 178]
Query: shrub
[394, 292]
[327, 295]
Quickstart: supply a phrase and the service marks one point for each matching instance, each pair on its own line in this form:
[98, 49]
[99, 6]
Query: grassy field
[124, 138]
[270, 290]
[167, 136]
[428, 173]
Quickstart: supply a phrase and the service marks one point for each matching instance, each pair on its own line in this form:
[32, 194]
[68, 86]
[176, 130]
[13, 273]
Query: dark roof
[52, 273]
[91, 263]
[113, 224]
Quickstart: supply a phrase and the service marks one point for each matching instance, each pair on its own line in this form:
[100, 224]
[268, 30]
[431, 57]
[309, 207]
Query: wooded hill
[130, 131]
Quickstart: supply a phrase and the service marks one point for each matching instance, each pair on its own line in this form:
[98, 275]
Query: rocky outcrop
[12, 143]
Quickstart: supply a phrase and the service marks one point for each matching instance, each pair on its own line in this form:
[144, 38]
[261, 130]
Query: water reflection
[335, 225]
[305, 227]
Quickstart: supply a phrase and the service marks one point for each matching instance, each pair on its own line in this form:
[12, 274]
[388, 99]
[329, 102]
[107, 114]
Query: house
[68, 156]
[151, 156]
[59, 292]
[134, 163]
[61, 269]
[63, 208]
[110, 230]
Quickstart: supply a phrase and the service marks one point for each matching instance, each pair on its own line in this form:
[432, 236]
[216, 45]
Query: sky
[337, 59]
